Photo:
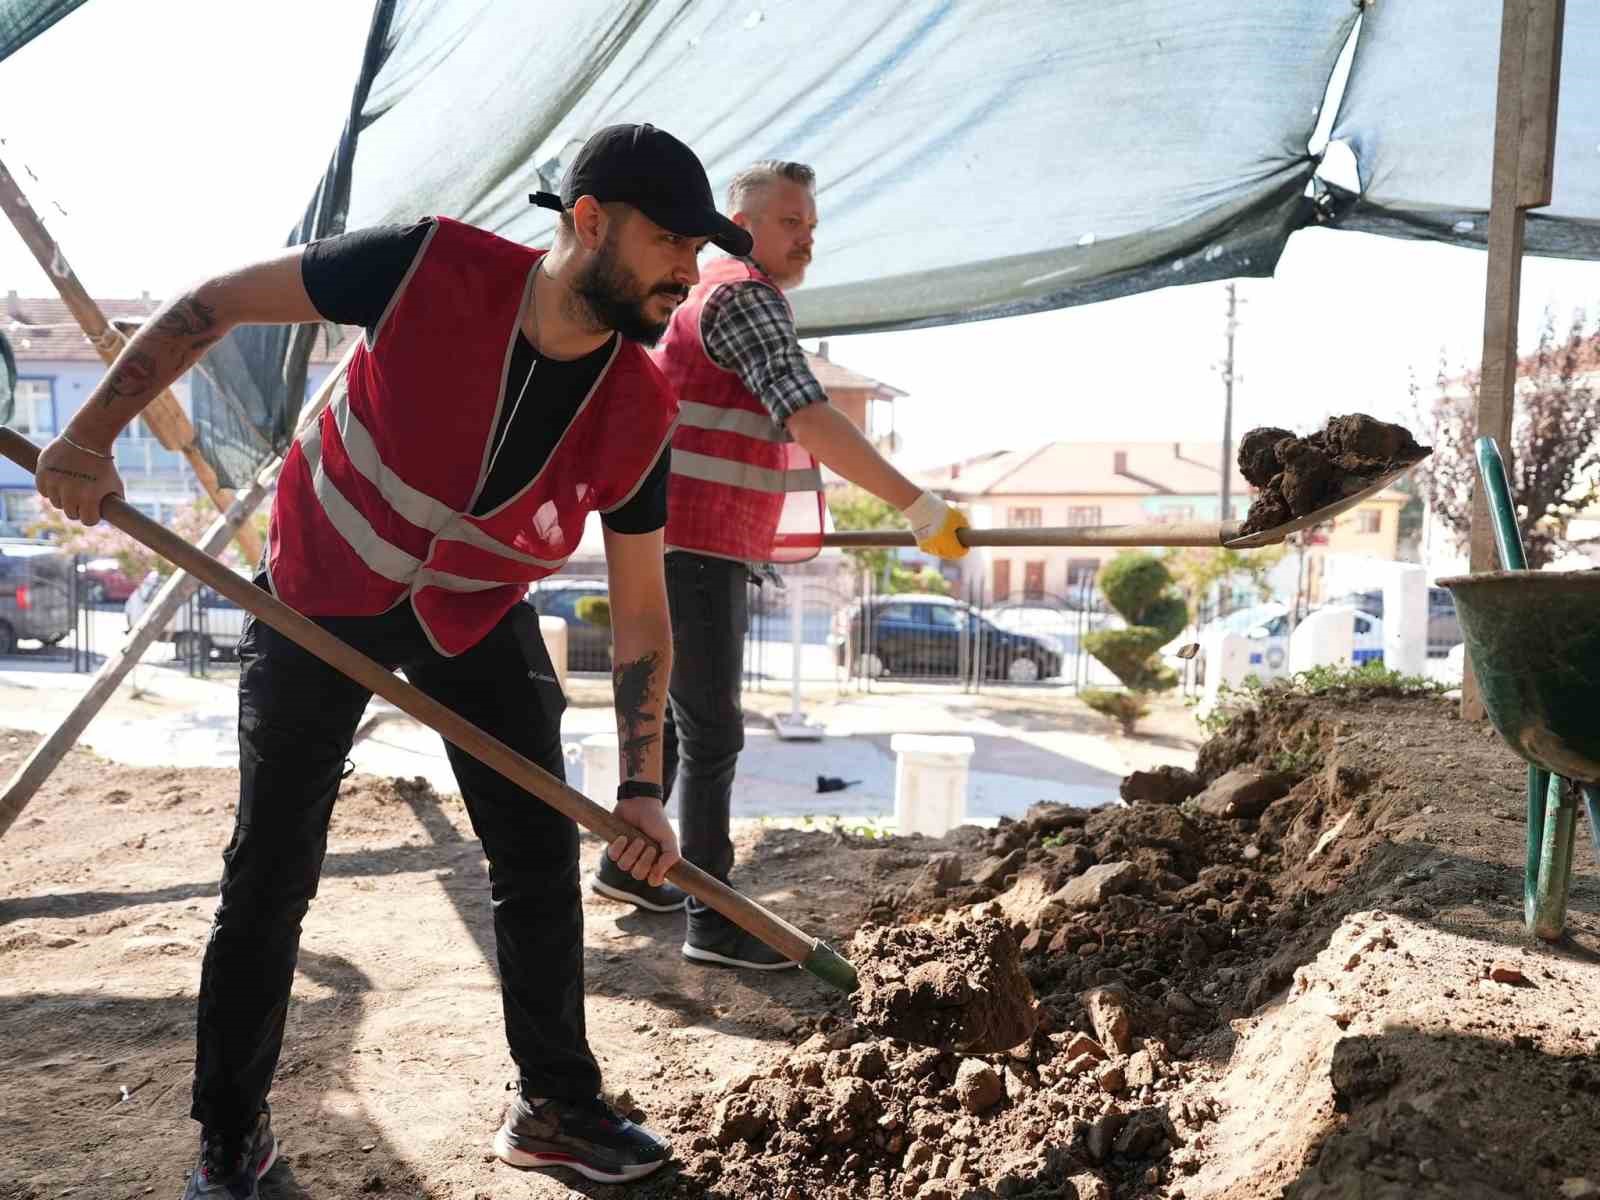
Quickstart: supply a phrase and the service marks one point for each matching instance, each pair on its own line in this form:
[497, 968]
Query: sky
[179, 137]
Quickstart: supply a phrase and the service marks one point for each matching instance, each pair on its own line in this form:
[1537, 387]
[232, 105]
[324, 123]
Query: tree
[594, 610]
[1197, 571]
[1555, 440]
[856, 508]
[1140, 588]
[136, 560]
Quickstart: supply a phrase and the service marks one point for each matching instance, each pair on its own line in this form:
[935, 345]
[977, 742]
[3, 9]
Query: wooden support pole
[164, 415]
[1524, 166]
[47, 755]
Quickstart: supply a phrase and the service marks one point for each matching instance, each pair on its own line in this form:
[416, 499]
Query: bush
[594, 610]
[924, 579]
[1127, 653]
[1132, 582]
[1139, 587]
[1123, 707]
[1169, 614]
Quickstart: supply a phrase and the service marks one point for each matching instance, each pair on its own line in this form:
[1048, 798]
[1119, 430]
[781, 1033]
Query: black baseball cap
[657, 174]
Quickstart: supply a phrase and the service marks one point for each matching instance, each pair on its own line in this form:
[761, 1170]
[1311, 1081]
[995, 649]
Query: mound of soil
[1184, 954]
[1296, 476]
[960, 985]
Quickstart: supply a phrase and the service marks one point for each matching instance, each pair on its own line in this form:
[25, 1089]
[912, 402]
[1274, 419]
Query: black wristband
[640, 787]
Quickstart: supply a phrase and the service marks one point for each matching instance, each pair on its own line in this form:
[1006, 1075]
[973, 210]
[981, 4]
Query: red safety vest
[741, 487]
[375, 498]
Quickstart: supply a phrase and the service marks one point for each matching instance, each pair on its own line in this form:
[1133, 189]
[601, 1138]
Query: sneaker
[230, 1168]
[715, 941]
[612, 882]
[587, 1136]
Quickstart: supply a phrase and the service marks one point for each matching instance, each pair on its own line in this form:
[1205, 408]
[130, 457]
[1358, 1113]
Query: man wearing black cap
[499, 396]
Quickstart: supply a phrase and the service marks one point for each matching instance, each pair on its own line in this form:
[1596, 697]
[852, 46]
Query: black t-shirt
[351, 280]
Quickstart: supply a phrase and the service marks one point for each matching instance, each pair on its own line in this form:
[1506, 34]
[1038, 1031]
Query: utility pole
[1227, 407]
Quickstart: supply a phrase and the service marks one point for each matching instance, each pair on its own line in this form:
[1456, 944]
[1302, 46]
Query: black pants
[297, 720]
[705, 722]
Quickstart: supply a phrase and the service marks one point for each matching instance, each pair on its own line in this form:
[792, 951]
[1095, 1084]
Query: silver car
[35, 593]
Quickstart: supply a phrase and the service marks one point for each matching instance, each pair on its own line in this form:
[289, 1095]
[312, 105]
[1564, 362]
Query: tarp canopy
[1418, 112]
[8, 378]
[975, 158]
[23, 20]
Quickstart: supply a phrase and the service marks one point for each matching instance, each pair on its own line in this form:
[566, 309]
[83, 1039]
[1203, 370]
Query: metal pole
[796, 615]
[1226, 512]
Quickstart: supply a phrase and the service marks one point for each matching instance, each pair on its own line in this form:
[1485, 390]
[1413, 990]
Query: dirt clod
[1299, 475]
[960, 986]
[1108, 1011]
[978, 1086]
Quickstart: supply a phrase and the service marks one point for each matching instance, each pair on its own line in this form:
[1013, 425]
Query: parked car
[913, 634]
[1060, 625]
[35, 593]
[102, 580]
[588, 646]
[209, 623]
[1444, 627]
[1268, 626]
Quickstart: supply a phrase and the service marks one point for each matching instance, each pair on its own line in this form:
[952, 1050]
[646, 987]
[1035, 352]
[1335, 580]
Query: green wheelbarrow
[1534, 640]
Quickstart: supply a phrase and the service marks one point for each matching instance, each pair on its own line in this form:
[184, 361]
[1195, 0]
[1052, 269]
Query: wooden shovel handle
[1172, 533]
[769, 927]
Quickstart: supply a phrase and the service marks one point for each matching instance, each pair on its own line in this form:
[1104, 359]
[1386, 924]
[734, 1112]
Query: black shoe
[612, 882]
[230, 1167]
[713, 940]
[586, 1135]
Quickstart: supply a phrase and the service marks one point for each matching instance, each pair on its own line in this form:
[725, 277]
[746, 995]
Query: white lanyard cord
[506, 433]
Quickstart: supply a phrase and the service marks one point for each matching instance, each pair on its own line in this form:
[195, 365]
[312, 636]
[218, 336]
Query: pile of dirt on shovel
[1298, 475]
[1153, 934]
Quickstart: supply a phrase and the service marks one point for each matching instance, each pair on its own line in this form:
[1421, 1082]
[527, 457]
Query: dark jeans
[705, 722]
[297, 720]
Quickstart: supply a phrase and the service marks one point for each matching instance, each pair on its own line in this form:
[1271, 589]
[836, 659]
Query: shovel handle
[744, 912]
[1171, 533]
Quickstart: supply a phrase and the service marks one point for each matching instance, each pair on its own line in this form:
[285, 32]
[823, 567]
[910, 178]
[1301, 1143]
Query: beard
[615, 296]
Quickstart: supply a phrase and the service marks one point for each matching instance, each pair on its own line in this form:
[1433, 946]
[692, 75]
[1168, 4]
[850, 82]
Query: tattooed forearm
[130, 377]
[638, 711]
[191, 320]
[166, 346]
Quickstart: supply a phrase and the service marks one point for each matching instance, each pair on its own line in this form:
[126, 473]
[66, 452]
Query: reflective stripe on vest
[738, 474]
[731, 420]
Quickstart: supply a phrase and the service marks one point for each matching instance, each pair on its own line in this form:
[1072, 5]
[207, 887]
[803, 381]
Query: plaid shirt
[749, 330]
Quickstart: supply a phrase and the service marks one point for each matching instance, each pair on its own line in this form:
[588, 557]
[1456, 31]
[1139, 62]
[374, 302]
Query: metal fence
[851, 631]
[46, 609]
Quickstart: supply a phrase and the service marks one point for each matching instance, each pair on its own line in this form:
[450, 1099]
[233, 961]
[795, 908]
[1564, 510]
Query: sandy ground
[1372, 1024]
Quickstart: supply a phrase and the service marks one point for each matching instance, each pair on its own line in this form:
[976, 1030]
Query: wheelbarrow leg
[1555, 860]
[1591, 798]
[1538, 789]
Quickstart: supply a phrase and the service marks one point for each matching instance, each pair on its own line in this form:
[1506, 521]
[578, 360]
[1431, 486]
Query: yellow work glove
[934, 524]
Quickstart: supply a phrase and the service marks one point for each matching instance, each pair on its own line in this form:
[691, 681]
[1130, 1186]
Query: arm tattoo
[71, 474]
[633, 683]
[130, 377]
[189, 325]
[189, 319]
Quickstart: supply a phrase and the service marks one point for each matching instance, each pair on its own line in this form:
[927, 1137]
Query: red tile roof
[43, 330]
[834, 377]
[1089, 469]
